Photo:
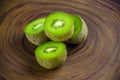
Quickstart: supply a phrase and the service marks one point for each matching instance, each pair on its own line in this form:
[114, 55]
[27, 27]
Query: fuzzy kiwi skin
[61, 38]
[54, 62]
[37, 39]
[82, 36]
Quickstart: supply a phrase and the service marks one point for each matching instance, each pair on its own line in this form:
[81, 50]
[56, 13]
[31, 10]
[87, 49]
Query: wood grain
[97, 59]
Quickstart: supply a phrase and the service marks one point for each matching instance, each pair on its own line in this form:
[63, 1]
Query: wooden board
[97, 59]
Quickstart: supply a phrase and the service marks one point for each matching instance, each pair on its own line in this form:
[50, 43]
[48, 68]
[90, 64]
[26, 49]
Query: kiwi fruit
[51, 54]
[34, 31]
[77, 25]
[80, 31]
[59, 26]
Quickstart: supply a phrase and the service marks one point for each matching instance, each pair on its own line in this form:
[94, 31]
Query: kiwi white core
[50, 49]
[58, 23]
[37, 26]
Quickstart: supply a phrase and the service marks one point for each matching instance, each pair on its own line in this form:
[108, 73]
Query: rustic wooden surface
[97, 59]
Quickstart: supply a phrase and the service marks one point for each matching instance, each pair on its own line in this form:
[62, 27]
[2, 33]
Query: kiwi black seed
[51, 54]
[34, 31]
[59, 26]
[81, 33]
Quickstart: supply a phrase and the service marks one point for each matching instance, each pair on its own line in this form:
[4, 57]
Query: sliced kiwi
[51, 54]
[59, 26]
[80, 32]
[77, 25]
[34, 31]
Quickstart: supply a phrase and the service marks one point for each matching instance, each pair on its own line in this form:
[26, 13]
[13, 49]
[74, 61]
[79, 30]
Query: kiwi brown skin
[82, 36]
[37, 39]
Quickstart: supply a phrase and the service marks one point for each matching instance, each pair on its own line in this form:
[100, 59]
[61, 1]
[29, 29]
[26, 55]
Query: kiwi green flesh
[77, 25]
[35, 26]
[58, 23]
[82, 36]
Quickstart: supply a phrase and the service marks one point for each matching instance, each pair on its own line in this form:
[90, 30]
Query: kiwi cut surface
[81, 35]
[59, 26]
[34, 31]
[51, 54]
[77, 25]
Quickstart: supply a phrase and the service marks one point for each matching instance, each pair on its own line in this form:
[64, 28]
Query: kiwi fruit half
[80, 32]
[59, 26]
[77, 25]
[51, 54]
[34, 31]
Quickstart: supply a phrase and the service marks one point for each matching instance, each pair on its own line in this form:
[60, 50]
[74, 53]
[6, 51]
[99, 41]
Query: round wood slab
[97, 59]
